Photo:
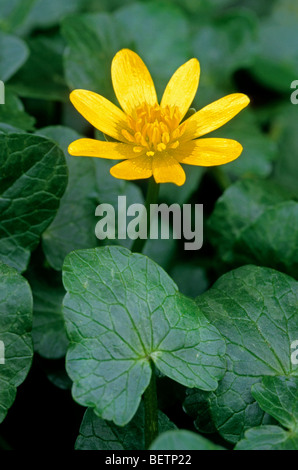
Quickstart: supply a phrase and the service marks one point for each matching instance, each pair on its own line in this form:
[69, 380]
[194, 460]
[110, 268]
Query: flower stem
[151, 413]
[151, 198]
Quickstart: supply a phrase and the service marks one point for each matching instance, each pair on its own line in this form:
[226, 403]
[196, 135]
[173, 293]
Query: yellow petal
[132, 81]
[208, 152]
[182, 87]
[97, 148]
[100, 112]
[214, 115]
[166, 169]
[133, 169]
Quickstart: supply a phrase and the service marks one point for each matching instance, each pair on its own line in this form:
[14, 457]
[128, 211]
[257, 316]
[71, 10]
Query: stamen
[137, 149]
[152, 129]
[182, 128]
[174, 145]
[165, 138]
[175, 134]
[155, 135]
[138, 137]
[161, 147]
[127, 135]
[139, 124]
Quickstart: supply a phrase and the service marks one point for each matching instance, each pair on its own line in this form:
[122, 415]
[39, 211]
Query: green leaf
[259, 151]
[93, 40]
[59, 378]
[244, 229]
[263, 242]
[44, 66]
[22, 16]
[48, 332]
[15, 327]
[14, 53]
[277, 58]
[97, 434]
[225, 44]
[12, 113]
[278, 397]
[236, 211]
[267, 438]
[208, 6]
[255, 309]
[47, 13]
[106, 5]
[284, 129]
[260, 8]
[182, 440]
[8, 129]
[74, 223]
[121, 311]
[33, 178]
[160, 21]
[13, 12]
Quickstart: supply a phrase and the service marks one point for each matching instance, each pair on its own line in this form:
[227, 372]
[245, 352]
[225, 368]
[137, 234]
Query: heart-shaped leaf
[182, 440]
[250, 206]
[162, 21]
[16, 348]
[45, 65]
[278, 397]
[225, 44]
[93, 39]
[267, 438]
[32, 180]
[276, 62]
[12, 114]
[97, 434]
[285, 126]
[22, 16]
[123, 311]
[256, 311]
[259, 150]
[14, 53]
[263, 242]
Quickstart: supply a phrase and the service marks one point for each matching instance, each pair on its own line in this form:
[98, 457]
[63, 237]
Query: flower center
[153, 129]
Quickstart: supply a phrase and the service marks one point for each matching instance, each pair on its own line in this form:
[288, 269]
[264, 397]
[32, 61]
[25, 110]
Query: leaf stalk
[151, 410]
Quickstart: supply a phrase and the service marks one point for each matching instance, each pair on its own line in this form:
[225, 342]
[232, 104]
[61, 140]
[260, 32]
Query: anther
[127, 135]
[137, 149]
[174, 145]
[161, 147]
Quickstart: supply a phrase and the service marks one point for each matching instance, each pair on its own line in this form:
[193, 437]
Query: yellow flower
[152, 138]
